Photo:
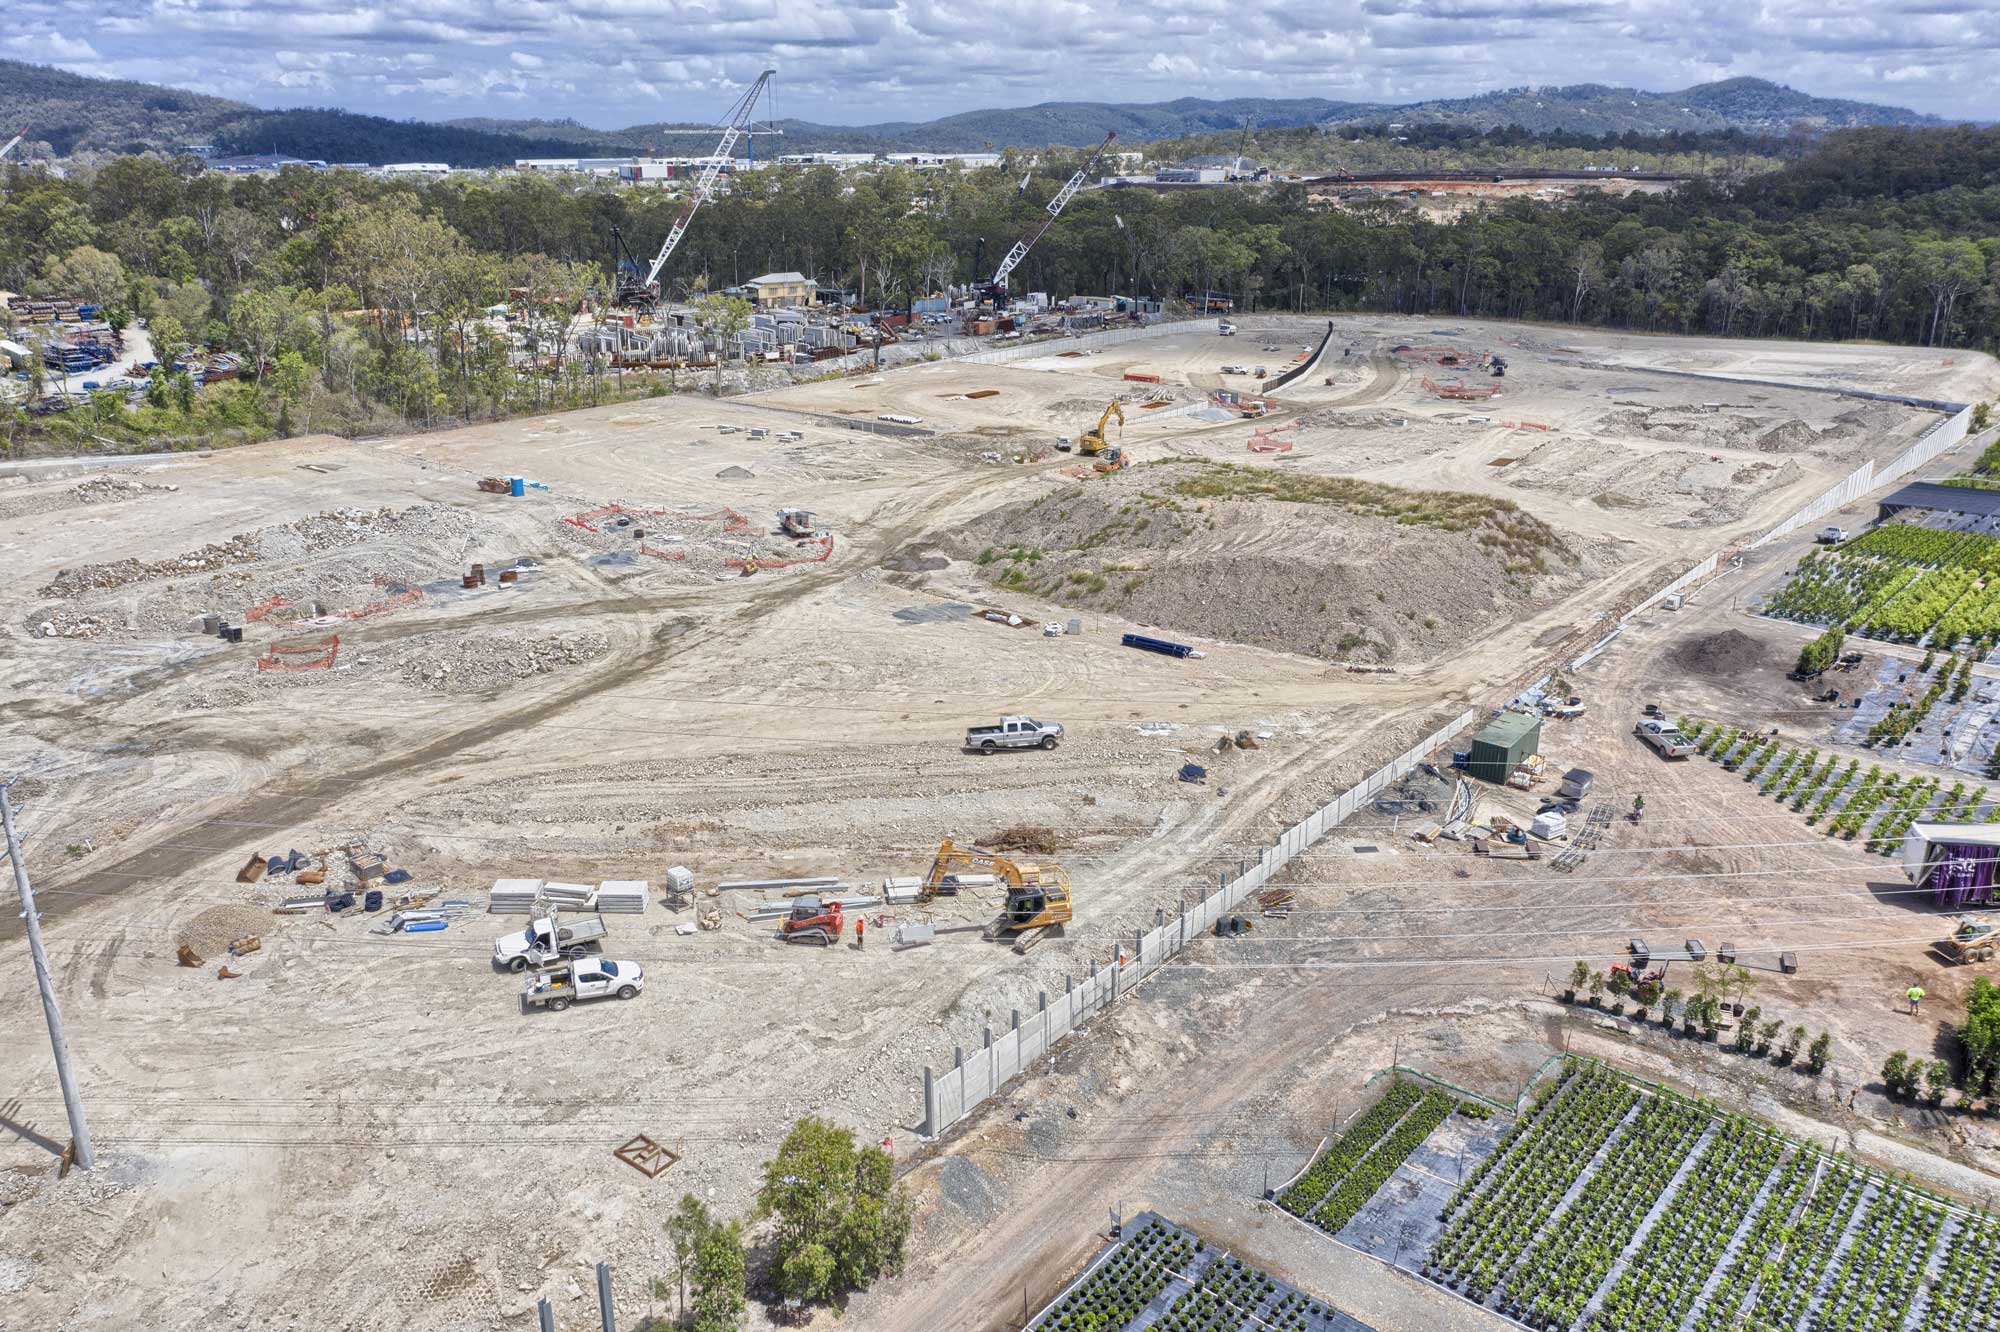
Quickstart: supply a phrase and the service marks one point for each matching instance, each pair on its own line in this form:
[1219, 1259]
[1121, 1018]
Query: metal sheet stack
[512, 897]
[622, 897]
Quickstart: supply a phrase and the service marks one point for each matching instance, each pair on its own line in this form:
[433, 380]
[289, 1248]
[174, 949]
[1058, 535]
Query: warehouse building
[1929, 497]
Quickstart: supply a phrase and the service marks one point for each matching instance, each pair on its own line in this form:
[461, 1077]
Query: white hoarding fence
[1110, 337]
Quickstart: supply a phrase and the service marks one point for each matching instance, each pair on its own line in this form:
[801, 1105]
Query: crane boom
[12, 143]
[1054, 210]
[738, 121]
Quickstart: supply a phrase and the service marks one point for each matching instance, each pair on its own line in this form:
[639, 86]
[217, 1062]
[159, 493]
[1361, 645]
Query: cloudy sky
[617, 62]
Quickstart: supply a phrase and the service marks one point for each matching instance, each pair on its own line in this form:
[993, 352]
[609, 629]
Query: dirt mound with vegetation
[1329, 567]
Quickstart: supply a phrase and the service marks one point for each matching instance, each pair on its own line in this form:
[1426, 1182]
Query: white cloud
[619, 62]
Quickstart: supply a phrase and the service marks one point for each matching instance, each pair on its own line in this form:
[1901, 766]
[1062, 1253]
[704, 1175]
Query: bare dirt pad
[1328, 567]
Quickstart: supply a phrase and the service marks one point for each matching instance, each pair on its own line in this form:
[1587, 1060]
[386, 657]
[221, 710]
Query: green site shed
[1508, 741]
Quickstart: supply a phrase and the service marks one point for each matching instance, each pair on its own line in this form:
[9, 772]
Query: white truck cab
[547, 939]
[592, 978]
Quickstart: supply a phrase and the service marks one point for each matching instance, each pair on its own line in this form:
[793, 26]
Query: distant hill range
[75, 114]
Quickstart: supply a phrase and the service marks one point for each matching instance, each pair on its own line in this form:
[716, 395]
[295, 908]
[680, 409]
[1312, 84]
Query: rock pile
[61, 622]
[472, 664]
[120, 573]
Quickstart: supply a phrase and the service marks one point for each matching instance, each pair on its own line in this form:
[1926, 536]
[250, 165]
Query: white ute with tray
[593, 978]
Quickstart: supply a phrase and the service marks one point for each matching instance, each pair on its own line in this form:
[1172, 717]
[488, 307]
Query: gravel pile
[474, 663]
[120, 573]
[65, 622]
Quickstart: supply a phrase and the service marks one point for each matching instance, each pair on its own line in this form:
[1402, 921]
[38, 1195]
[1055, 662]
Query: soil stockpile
[1730, 652]
[1326, 566]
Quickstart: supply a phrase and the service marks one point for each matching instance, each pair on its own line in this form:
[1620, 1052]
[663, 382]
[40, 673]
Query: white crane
[12, 144]
[738, 121]
[1054, 210]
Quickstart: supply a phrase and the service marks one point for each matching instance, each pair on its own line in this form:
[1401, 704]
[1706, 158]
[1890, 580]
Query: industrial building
[774, 290]
[1930, 497]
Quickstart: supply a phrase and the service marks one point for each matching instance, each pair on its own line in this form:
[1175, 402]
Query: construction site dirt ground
[365, 1131]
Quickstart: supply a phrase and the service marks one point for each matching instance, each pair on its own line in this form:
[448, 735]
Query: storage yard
[634, 661]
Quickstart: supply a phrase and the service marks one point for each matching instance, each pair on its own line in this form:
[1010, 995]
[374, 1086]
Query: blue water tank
[517, 486]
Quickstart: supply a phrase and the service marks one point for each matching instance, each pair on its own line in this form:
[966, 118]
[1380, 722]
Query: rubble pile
[122, 573]
[466, 665]
[61, 622]
[99, 489]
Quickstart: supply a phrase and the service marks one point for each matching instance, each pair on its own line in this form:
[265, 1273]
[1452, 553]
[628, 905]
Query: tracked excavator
[1093, 441]
[1038, 896]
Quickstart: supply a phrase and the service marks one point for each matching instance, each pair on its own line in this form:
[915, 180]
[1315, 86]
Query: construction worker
[1915, 994]
[861, 931]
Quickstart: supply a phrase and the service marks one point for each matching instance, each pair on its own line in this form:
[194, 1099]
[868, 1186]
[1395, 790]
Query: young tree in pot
[1670, 1007]
[1937, 1080]
[1819, 1054]
[1691, 1014]
[1897, 1079]
[1746, 1031]
[1741, 983]
[1579, 977]
[1597, 989]
[1767, 1035]
[1711, 1019]
[1795, 1041]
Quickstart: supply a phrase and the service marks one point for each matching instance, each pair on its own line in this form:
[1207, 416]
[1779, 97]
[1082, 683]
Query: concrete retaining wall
[951, 1095]
[1299, 371]
[1110, 337]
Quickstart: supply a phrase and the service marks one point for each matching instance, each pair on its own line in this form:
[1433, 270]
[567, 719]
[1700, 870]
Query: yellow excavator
[1093, 441]
[1038, 897]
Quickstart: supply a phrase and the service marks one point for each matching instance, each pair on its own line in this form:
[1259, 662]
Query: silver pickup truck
[1014, 733]
[1664, 738]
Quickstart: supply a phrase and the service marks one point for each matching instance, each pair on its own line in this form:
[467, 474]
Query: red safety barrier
[314, 656]
[269, 608]
[658, 554]
[589, 518]
[1141, 377]
[388, 603]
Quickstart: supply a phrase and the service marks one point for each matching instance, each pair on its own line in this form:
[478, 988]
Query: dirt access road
[615, 712]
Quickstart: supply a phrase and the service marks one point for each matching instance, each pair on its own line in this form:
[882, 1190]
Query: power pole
[79, 1132]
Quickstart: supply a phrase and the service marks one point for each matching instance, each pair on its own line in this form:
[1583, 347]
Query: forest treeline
[366, 295]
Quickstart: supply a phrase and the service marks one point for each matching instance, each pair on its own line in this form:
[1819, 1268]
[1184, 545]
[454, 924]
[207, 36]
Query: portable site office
[1508, 741]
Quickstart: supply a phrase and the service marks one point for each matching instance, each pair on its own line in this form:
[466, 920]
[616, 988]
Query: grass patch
[1504, 527]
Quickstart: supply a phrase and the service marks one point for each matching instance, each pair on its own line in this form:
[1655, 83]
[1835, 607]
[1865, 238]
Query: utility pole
[79, 1132]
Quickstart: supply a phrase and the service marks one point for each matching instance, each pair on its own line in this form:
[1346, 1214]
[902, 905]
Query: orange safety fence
[658, 554]
[824, 543]
[316, 655]
[1459, 391]
[1524, 425]
[589, 518]
[1266, 439]
[270, 608]
[388, 603]
[731, 520]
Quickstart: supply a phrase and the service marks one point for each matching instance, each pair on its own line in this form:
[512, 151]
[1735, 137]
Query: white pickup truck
[594, 978]
[547, 939]
[1665, 739]
[1831, 536]
[1014, 733]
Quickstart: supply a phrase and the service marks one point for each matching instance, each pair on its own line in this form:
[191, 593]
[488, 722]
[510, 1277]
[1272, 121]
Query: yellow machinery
[1038, 898]
[1093, 441]
[1974, 940]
